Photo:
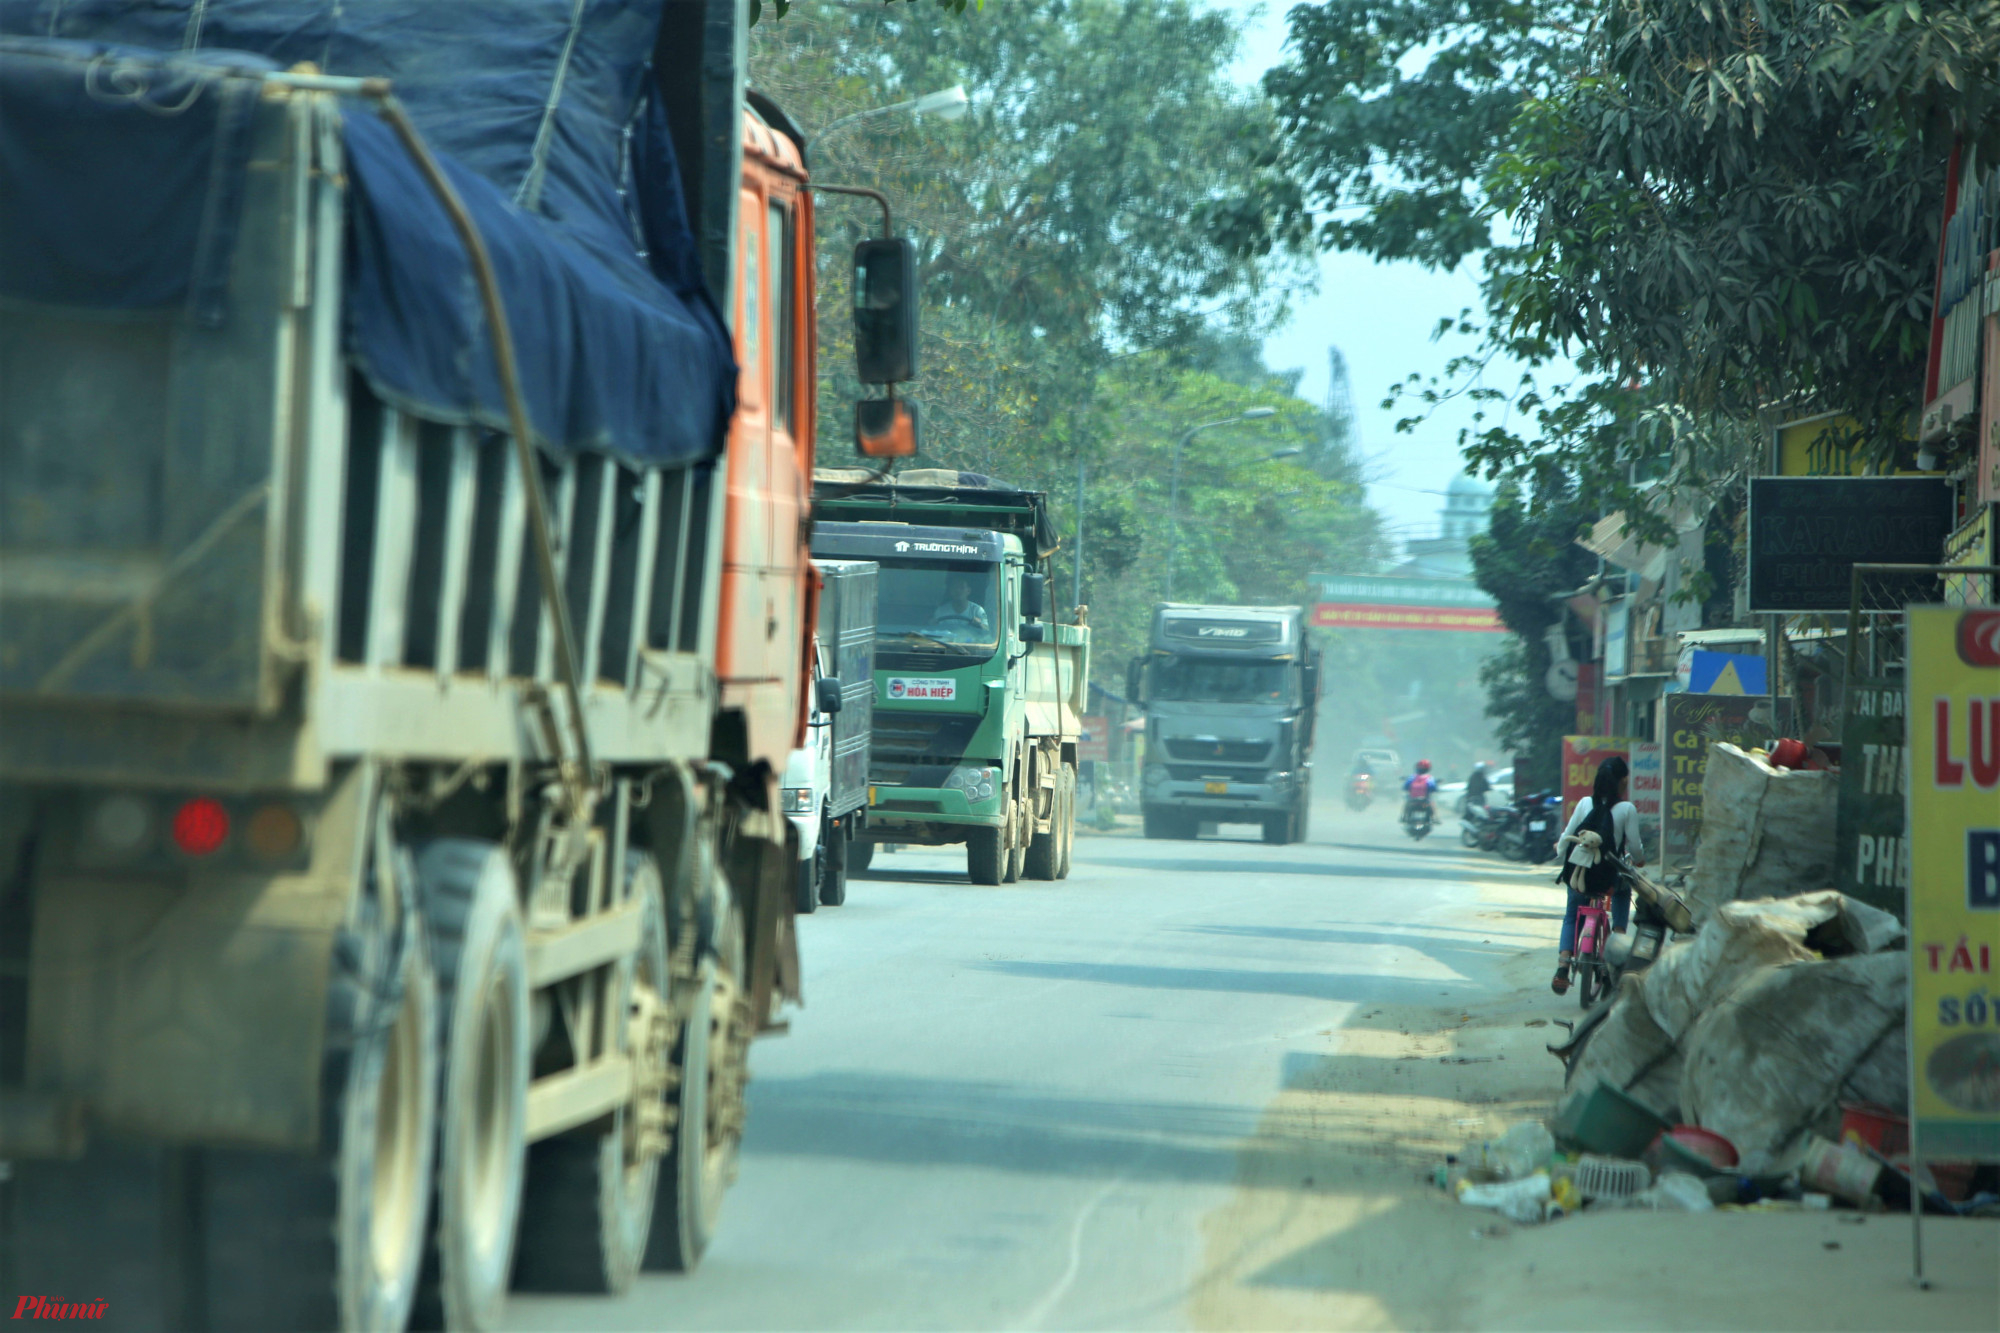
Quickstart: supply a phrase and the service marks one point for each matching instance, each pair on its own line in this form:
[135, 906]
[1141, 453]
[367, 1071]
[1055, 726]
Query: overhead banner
[1351, 615]
[1387, 601]
[1954, 822]
[1806, 534]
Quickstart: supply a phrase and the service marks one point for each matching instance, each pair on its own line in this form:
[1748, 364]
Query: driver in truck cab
[959, 606]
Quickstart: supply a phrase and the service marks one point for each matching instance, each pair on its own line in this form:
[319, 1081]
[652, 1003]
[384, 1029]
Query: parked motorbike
[1358, 792]
[1511, 835]
[1543, 825]
[1418, 817]
[1473, 823]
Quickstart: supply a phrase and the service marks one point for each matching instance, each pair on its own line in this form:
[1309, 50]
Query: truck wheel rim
[485, 1187]
[396, 1191]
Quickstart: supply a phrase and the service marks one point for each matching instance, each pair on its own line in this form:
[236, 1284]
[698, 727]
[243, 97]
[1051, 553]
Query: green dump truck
[978, 694]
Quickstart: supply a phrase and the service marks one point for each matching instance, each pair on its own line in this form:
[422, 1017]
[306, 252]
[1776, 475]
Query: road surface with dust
[1016, 1107]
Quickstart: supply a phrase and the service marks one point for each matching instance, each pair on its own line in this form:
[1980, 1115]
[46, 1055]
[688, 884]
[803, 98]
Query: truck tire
[588, 1205]
[833, 842]
[707, 1129]
[471, 908]
[810, 874]
[1066, 798]
[1161, 824]
[1021, 826]
[859, 854]
[336, 1239]
[1044, 853]
[986, 855]
[1278, 829]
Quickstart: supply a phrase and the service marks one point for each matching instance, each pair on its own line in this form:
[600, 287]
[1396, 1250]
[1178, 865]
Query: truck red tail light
[201, 826]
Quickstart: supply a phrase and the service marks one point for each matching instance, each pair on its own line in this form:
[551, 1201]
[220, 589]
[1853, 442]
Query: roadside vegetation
[1083, 303]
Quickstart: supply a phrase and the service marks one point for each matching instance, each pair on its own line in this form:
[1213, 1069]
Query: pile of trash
[1748, 1067]
[1767, 826]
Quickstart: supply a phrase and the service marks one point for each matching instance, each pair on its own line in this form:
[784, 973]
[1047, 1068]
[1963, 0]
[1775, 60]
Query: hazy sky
[1381, 317]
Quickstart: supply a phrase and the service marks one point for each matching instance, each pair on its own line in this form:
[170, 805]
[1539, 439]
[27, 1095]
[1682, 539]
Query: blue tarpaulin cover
[124, 135]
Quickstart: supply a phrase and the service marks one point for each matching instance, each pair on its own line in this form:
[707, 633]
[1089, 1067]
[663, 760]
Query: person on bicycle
[1607, 813]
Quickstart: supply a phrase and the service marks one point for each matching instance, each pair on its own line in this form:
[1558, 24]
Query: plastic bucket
[1877, 1126]
[1840, 1169]
[1610, 1123]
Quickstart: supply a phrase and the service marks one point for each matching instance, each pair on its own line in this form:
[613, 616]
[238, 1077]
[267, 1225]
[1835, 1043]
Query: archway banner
[1360, 615]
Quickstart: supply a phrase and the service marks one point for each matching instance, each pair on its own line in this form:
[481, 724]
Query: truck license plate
[1215, 788]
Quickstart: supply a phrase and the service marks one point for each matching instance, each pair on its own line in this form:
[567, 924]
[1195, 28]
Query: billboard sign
[1953, 739]
[1871, 856]
[1693, 723]
[1581, 756]
[1807, 533]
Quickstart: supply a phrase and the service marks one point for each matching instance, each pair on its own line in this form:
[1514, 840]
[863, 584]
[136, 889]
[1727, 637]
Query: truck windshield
[1207, 681]
[950, 608]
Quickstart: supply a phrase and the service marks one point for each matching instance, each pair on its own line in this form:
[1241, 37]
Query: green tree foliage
[1072, 309]
[1525, 560]
[1730, 206]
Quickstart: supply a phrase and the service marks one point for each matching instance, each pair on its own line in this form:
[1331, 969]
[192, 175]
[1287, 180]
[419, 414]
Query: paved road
[1013, 1107]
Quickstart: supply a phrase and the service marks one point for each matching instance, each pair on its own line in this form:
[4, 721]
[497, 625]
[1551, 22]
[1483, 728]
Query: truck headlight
[976, 782]
[796, 800]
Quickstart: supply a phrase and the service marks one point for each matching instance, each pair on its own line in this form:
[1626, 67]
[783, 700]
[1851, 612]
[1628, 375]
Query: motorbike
[1543, 826]
[1418, 816]
[1474, 823]
[1358, 793]
[1511, 834]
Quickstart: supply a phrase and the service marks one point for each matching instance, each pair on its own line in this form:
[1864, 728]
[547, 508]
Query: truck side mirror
[885, 311]
[1034, 596]
[826, 695]
[886, 428]
[1134, 671]
[1034, 633]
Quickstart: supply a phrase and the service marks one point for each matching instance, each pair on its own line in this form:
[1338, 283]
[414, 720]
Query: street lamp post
[949, 104]
[1174, 489]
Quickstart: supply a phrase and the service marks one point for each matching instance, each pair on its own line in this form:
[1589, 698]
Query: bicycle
[1590, 964]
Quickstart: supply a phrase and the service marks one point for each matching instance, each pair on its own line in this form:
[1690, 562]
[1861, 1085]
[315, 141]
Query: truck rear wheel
[701, 1157]
[588, 1205]
[336, 1239]
[859, 855]
[472, 911]
[986, 855]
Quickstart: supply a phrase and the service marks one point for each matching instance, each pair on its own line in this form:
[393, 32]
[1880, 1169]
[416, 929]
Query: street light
[1174, 500]
[949, 104]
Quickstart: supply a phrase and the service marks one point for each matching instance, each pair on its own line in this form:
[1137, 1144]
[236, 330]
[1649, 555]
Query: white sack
[1765, 832]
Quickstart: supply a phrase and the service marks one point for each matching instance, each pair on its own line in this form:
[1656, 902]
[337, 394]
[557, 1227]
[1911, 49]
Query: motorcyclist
[1417, 787]
[1477, 785]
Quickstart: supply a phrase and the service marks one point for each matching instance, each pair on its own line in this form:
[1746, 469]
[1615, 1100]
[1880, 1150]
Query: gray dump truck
[404, 439]
[1231, 694]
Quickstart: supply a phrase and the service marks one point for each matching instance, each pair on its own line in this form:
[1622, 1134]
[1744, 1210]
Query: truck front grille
[1218, 752]
[921, 738]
